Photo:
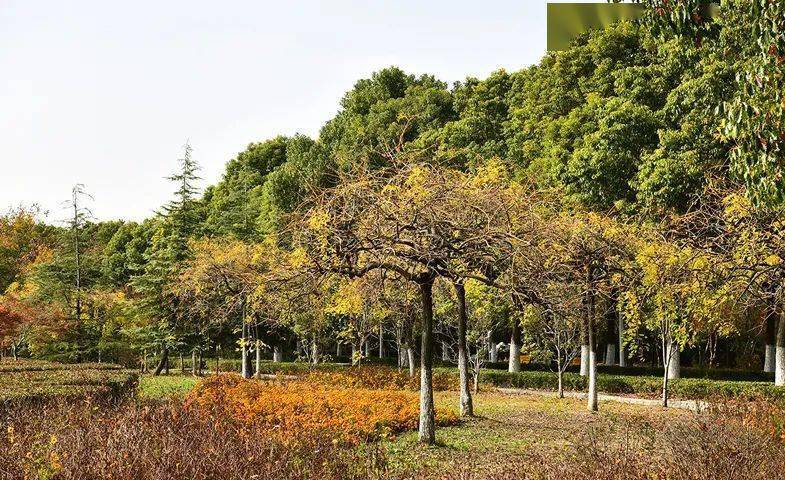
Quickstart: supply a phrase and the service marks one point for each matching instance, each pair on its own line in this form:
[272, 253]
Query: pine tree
[179, 221]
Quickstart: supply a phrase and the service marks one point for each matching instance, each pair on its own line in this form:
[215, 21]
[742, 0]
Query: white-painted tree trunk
[779, 368]
[779, 354]
[592, 404]
[367, 349]
[672, 369]
[674, 362]
[770, 359]
[610, 354]
[246, 365]
[412, 362]
[584, 360]
[382, 353]
[770, 336]
[258, 370]
[277, 354]
[445, 352]
[493, 352]
[514, 364]
[591, 343]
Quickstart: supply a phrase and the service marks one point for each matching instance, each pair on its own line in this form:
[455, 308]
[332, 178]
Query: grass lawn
[510, 428]
[152, 388]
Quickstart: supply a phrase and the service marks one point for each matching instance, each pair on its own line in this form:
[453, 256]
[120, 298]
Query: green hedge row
[644, 386]
[268, 367]
[639, 370]
[30, 365]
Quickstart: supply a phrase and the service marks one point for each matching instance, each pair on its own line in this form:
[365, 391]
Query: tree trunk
[771, 341]
[514, 363]
[163, 362]
[561, 382]
[466, 406]
[382, 353]
[592, 342]
[314, 351]
[246, 364]
[410, 360]
[194, 366]
[493, 352]
[445, 352]
[399, 349]
[338, 351]
[217, 360]
[673, 360]
[665, 390]
[199, 362]
[367, 348]
[258, 372]
[584, 348]
[592, 403]
[182, 364]
[779, 367]
[610, 354]
[622, 349]
[427, 427]
[611, 321]
[277, 354]
[355, 355]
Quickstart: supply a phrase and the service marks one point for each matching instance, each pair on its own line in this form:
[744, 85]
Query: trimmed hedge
[640, 370]
[30, 365]
[644, 386]
[31, 381]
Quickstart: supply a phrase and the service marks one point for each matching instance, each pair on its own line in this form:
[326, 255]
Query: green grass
[154, 388]
[511, 426]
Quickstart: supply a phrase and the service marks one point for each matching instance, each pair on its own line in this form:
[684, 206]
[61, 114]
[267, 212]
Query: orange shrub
[306, 407]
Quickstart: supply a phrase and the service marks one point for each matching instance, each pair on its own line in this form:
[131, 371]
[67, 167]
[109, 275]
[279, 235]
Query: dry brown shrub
[164, 442]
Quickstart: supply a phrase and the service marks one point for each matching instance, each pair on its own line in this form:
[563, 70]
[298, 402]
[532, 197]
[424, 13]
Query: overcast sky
[105, 93]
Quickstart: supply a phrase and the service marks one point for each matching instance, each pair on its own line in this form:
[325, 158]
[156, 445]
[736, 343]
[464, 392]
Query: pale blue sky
[105, 93]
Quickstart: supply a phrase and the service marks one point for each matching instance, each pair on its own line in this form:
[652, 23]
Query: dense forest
[619, 202]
